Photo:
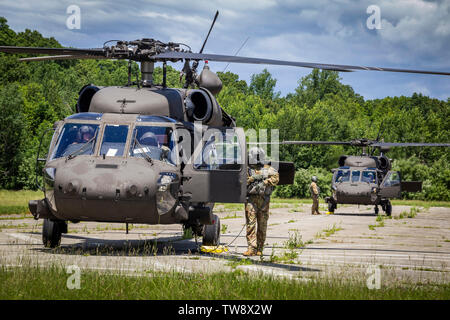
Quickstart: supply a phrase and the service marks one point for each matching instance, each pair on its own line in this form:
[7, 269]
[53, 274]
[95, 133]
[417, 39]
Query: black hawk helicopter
[129, 154]
[367, 179]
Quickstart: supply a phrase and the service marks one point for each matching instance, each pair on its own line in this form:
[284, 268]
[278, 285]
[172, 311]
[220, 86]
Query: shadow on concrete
[166, 246]
[370, 214]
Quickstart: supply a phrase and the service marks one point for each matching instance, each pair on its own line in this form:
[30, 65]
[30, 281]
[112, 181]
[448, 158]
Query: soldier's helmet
[149, 139]
[85, 133]
[314, 178]
[256, 155]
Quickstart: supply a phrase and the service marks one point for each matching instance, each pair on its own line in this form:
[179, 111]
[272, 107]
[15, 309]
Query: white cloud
[415, 34]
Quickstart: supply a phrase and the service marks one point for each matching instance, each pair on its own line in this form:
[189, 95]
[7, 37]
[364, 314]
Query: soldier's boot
[259, 251]
[250, 252]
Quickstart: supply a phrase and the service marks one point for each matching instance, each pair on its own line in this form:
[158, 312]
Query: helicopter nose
[354, 193]
[114, 191]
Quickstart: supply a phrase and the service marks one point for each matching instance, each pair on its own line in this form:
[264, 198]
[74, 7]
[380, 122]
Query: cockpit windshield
[114, 140]
[153, 142]
[342, 176]
[355, 175]
[76, 139]
[368, 176]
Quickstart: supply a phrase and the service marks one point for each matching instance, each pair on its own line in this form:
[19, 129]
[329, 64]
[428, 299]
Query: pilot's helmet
[314, 179]
[149, 139]
[85, 133]
[256, 155]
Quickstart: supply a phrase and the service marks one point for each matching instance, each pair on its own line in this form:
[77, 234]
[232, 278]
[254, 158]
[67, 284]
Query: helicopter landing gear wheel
[376, 210]
[211, 233]
[331, 207]
[388, 208]
[51, 232]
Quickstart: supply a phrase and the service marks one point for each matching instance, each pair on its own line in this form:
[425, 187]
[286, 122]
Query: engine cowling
[384, 163]
[341, 161]
[202, 106]
[85, 97]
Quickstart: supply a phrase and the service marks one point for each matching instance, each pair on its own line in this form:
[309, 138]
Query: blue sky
[414, 34]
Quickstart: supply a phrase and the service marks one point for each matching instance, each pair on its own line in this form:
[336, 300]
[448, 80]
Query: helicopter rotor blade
[317, 142]
[409, 144]
[238, 59]
[306, 142]
[53, 51]
[61, 57]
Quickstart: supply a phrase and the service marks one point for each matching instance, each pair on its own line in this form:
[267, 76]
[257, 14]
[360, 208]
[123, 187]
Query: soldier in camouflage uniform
[261, 180]
[315, 191]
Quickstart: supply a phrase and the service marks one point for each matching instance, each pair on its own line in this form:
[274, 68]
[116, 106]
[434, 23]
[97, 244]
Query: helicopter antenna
[190, 74]
[243, 44]
[212, 25]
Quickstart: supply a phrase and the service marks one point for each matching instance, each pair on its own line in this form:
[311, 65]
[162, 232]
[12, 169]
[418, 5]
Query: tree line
[34, 95]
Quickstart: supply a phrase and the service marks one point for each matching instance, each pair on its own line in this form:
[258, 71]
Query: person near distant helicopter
[315, 191]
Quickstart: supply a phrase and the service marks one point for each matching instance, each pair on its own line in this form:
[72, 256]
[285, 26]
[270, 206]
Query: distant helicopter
[129, 154]
[367, 179]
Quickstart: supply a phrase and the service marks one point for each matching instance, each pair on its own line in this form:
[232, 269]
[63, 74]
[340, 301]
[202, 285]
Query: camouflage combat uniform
[314, 189]
[260, 183]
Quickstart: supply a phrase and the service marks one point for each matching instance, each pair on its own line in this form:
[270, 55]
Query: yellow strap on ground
[214, 249]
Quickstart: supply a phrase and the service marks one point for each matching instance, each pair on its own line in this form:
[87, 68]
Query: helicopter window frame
[355, 174]
[166, 125]
[102, 136]
[239, 162]
[59, 132]
[374, 178]
[389, 182]
[345, 173]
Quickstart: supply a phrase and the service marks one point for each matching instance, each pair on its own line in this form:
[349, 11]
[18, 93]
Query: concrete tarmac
[350, 244]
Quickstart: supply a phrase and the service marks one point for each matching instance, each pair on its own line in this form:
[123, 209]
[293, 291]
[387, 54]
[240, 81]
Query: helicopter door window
[75, 138]
[114, 139]
[154, 142]
[392, 180]
[356, 175]
[222, 151]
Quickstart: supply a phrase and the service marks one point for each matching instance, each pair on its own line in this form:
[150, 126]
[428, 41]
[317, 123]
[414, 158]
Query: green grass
[327, 232]
[235, 216]
[16, 202]
[50, 283]
[295, 241]
[223, 228]
[421, 203]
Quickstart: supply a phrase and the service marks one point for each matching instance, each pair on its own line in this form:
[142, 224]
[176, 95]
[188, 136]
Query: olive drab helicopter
[129, 154]
[367, 179]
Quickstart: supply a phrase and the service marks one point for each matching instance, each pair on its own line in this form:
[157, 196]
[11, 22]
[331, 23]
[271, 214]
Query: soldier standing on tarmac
[315, 191]
[261, 180]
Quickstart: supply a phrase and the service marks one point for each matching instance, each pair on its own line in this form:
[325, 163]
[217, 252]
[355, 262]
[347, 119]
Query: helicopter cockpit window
[222, 151]
[342, 176]
[114, 139]
[355, 175]
[368, 176]
[393, 179]
[154, 142]
[76, 138]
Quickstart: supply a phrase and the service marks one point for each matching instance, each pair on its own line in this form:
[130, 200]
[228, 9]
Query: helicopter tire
[388, 209]
[51, 233]
[331, 207]
[211, 232]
